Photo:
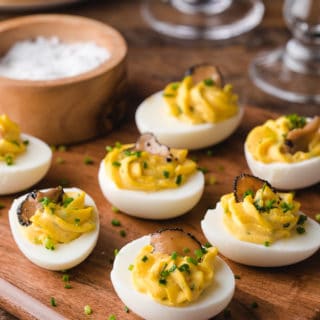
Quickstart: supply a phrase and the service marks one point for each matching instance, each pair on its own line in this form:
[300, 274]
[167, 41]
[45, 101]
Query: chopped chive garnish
[212, 180]
[9, 160]
[267, 244]
[126, 309]
[112, 317]
[174, 256]
[145, 165]
[87, 160]
[118, 144]
[175, 86]
[87, 310]
[179, 179]
[302, 219]
[67, 201]
[130, 267]
[166, 174]
[109, 148]
[122, 233]
[49, 244]
[208, 82]
[60, 160]
[77, 221]
[286, 207]
[192, 260]
[2, 206]
[144, 259]
[248, 192]
[301, 230]
[45, 201]
[67, 286]
[65, 277]
[184, 268]
[116, 164]
[286, 225]
[209, 153]
[53, 302]
[115, 209]
[317, 216]
[62, 148]
[163, 281]
[115, 251]
[26, 142]
[203, 170]
[207, 245]
[115, 223]
[236, 276]
[199, 253]
[186, 250]
[168, 95]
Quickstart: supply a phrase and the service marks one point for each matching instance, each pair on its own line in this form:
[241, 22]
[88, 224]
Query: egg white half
[213, 300]
[151, 116]
[65, 256]
[286, 176]
[28, 168]
[280, 253]
[161, 204]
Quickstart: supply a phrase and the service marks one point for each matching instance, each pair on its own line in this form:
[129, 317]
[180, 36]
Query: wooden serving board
[286, 293]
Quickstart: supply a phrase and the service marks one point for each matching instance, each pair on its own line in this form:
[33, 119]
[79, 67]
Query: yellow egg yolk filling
[173, 280]
[60, 223]
[264, 217]
[266, 143]
[141, 170]
[11, 144]
[203, 102]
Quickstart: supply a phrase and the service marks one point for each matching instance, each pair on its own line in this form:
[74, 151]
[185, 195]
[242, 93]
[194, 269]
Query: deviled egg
[286, 151]
[169, 275]
[256, 225]
[55, 228]
[24, 159]
[197, 112]
[150, 180]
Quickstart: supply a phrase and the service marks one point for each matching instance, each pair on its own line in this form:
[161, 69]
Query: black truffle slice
[172, 240]
[33, 202]
[205, 71]
[148, 142]
[246, 183]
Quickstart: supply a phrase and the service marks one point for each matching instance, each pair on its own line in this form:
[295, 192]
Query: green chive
[115, 251]
[65, 277]
[45, 201]
[26, 142]
[115, 209]
[144, 259]
[122, 233]
[126, 309]
[175, 86]
[184, 268]
[208, 82]
[317, 216]
[49, 244]
[112, 317]
[145, 165]
[67, 201]
[286, 225]
[186, 250]
[192, 260]
[174, 256]
[2, 206]
[267, 244]
[248, 192]
[301, 230]
[179, 179]
[116, 164]
[302, 219]
[115, 223]
[130, 267]
[87, 310]
[203, 170]
[53, 302]
[168, 95]
[118, 144]
[77, 221]
[60, 160]
[9, 160]
[67, 286]
[62, 148]
[109, 148]
[87, 160]
[163, 281]
[166, 174]
[236, 276]
[207, 245]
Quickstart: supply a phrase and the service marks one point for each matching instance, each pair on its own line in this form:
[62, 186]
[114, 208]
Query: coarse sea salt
[50, 59]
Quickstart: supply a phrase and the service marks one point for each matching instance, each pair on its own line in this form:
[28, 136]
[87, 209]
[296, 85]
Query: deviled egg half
[170, 275]
[24, 159]
[286, 151]
[55, 228]
[195, 113]
[150, 180]
[256, 225]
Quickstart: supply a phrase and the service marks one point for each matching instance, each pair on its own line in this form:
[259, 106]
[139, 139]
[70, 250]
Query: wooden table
[288, 293]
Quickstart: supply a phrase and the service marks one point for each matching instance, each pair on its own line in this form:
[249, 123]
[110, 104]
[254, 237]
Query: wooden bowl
[72, 109]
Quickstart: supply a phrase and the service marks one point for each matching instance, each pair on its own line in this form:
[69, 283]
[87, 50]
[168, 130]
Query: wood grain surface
[288, 293]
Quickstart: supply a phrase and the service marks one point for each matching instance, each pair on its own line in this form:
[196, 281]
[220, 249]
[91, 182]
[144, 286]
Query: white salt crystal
[49, 59]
